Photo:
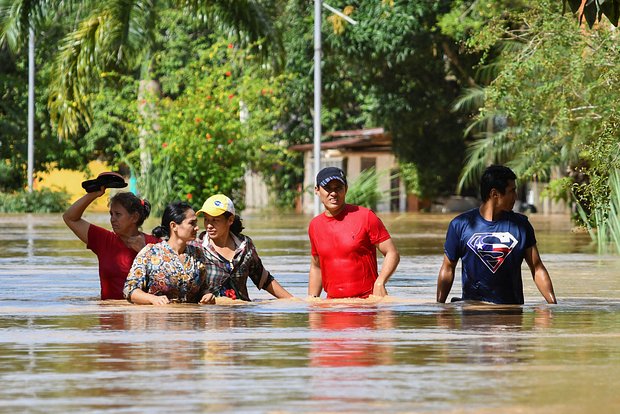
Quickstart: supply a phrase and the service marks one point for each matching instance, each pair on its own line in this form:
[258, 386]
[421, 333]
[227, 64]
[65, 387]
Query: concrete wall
[544, 205]
[256, 192]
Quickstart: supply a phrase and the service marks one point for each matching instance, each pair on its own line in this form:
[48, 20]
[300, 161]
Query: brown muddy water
[62, 350]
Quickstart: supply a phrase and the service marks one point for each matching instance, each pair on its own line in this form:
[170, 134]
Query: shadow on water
[63, 350]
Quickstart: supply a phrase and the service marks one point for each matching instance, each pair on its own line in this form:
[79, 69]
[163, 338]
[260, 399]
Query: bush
[364, 190]
[10, 176]
[224, 122]
[43, 201]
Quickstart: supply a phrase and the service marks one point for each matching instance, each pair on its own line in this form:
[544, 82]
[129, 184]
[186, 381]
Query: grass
[603, 223]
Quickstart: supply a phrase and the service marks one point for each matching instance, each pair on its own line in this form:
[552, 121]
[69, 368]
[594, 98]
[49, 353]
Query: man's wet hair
[495, 176]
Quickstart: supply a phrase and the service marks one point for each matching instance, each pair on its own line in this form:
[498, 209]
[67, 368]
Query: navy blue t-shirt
[491, 253]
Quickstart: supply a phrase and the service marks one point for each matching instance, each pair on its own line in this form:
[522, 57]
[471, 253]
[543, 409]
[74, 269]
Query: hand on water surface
[159, 300]
[207, 299]
[379, 289]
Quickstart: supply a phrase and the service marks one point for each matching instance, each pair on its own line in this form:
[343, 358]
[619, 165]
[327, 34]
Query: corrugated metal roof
[372, 138]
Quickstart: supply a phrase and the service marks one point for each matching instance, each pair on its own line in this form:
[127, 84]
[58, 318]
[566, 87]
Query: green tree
[553, 105]
[393, 69]
[118, 41]
[48, 19]
[554, 87]
[220, 123]
[120, 36]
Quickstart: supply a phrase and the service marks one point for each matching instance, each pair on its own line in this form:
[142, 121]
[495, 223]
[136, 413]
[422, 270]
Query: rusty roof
[359, 139]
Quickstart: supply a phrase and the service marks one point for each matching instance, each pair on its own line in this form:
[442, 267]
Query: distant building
[356, 151]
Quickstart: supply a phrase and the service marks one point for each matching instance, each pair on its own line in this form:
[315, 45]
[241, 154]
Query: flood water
[62, 350]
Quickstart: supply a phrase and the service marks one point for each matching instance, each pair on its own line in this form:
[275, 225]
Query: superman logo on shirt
[492, 248]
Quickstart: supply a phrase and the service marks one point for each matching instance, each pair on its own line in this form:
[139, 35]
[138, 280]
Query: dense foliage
[515, 81]
[551, 110]
[389, 70]
[13, 112]
[221, 124]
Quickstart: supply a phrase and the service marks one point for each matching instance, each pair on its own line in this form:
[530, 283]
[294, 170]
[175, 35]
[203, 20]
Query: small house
[356, 151]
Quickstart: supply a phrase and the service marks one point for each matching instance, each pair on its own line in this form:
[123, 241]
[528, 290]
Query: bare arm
[136, 283]
[391, 258]
[540, 274]
[445, 279]
[315, 283]
[277, 290]
[140, 297]
[73, 216]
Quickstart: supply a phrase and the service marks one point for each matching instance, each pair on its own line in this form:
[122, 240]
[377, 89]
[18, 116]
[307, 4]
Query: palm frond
[10, 27]
[364, 191]
[18, 16]
[470, 99]
[485, 74]
[113, 37]
[493, 148]
[74, 73]
[479, 125]
[511, 46]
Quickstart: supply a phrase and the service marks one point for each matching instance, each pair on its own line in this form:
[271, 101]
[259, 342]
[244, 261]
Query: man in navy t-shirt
[492, 242]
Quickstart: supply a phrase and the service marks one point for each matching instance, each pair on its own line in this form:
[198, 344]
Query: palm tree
[18, 20]
[534, 151]
[119, 35]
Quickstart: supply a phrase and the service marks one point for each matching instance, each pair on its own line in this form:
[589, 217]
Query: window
[368, 162]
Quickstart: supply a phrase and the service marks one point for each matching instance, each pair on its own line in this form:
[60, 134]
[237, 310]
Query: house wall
[256, 192]
[71, 182]
[544, 205]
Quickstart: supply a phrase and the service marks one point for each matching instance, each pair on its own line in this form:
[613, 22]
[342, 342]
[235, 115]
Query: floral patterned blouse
[159, 270]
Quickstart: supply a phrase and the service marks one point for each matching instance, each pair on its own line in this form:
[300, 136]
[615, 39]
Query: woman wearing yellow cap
[231, 255]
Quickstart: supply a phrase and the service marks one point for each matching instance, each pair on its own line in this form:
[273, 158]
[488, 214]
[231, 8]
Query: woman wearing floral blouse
[172, 270]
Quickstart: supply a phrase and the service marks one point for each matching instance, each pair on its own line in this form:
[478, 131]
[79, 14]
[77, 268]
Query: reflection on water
[63, 350]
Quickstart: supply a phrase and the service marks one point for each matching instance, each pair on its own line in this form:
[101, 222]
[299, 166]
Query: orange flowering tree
[222, 123]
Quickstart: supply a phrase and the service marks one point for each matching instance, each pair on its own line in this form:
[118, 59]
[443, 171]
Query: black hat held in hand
[106, 179]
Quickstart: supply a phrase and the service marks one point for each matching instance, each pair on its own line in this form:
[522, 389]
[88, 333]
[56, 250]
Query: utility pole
[30, 109]
[317, 98]
[317, 88]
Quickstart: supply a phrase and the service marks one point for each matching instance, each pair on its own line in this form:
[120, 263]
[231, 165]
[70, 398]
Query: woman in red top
[115, 249]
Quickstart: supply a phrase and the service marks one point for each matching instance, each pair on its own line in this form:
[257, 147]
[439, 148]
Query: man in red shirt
[344, 241]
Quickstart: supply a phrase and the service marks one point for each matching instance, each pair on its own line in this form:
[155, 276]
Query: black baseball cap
[328, 174]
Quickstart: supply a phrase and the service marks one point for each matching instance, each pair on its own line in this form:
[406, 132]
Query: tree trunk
[148, 94]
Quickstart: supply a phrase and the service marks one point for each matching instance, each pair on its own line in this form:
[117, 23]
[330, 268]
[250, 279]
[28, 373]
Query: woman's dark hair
[237, 227]
[173, 212]
[133, 204]
[495, 176]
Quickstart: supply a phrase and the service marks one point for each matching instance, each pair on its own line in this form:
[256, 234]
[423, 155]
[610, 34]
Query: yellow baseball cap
[217, 205]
